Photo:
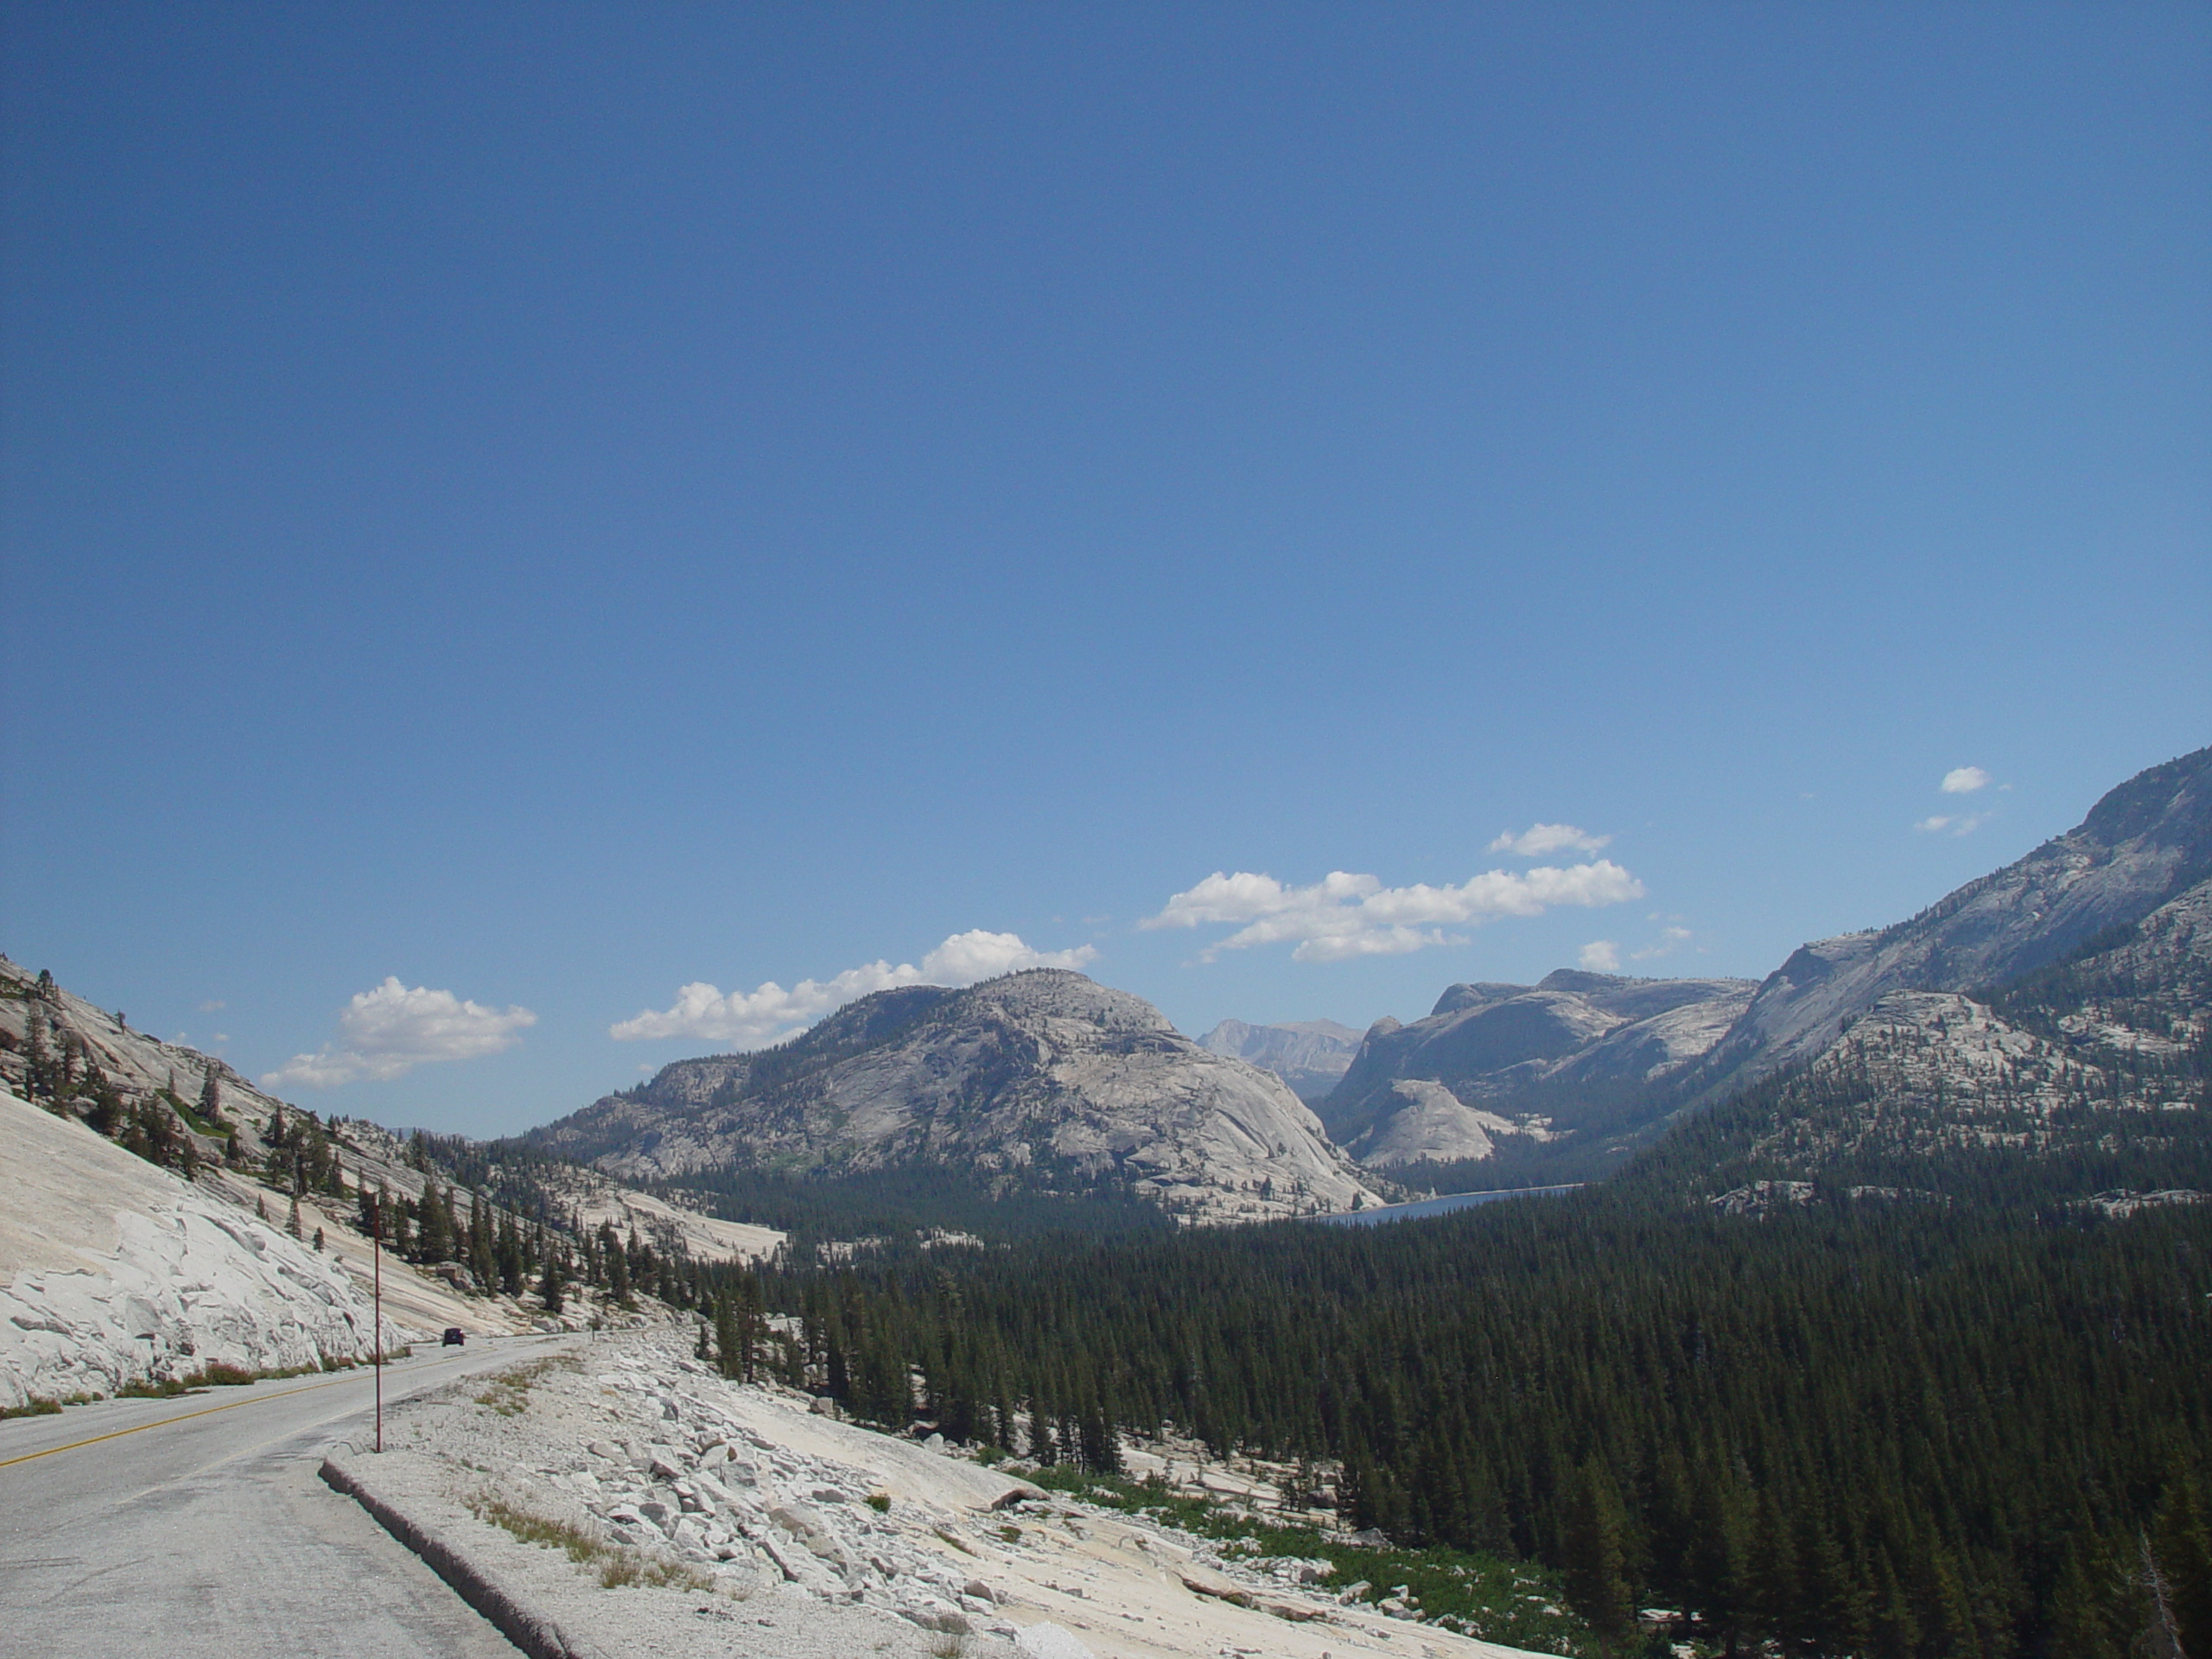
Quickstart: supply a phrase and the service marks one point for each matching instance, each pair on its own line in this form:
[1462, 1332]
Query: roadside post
[376, 1258]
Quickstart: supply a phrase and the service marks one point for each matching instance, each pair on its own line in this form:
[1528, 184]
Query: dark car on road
[455, 1337]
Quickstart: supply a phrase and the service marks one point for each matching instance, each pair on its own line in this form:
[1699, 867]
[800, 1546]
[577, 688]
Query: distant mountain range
[1310, 1055]
[1529, 1067]
[2058, 1007]
[2080, 968]
[2020, 1011]
[2146, 843]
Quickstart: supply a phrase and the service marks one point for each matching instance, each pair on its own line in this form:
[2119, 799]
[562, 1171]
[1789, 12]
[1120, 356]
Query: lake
[1444, 1206]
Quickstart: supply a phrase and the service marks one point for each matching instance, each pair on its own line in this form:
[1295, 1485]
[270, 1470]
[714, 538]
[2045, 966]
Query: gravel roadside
[620, 1498]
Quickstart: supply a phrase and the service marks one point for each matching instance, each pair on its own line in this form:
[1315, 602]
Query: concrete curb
[532, 1632]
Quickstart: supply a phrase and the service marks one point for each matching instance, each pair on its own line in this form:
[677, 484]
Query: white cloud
[1964, 780]
[763, 1016]
[214, 1006]
[1671, 940]
[1601, 957]
[388, 1032]
[1540, 838]
[1957, 826]
[1344, 915]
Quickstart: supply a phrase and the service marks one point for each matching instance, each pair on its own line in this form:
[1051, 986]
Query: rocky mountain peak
[1310, 1055]
[1531, 1061]
[2143, 843]
[2166, 807]
[1458, 998]
[1042, 1082]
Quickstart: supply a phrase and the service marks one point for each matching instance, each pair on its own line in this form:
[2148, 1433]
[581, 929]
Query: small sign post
[376, 1257]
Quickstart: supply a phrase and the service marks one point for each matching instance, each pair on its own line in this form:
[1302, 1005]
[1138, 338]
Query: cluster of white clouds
[388, 1032]
[1960, 781]
[1344, 915]
[751, 1019]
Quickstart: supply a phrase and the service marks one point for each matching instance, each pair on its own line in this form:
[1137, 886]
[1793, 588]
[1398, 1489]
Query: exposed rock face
[1043, 1080]
[1427, 1124]
[138, 1065]
[144, 1068]
[1513, 1057]
[806, 1536]
[2147, 842]
[113, 1271]
[2101, 1050]
[1310, 1055]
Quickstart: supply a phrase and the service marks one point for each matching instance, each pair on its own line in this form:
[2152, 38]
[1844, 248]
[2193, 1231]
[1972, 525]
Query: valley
[1796, 1238]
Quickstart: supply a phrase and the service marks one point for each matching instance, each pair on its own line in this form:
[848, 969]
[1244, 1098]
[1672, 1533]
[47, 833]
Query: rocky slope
[1310, 1055]
[2143, 844]
[2017, 1012]
[114, 1271]
[1494, 1062]
[164, 1085]
[742, 1522]
[147, 1072]
[1041, 1081]
[2100, 1062]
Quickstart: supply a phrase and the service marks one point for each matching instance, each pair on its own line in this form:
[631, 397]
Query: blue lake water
[1444, 1206]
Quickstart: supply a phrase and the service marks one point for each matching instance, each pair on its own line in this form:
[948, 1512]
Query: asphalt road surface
[199, 1525]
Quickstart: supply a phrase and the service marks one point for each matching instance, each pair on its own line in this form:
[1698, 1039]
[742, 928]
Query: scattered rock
[1048, 1641]
[1199, 1582]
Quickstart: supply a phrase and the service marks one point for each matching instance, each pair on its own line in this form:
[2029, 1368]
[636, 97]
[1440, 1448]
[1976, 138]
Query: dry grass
[580, 1546]
[633, 1567]
[619, 1565]
[509, 1393]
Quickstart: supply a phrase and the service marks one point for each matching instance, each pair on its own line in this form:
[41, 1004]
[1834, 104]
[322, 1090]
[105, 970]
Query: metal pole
[376, 1255]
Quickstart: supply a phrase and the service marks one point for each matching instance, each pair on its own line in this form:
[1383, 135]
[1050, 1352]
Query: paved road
[198, 1526]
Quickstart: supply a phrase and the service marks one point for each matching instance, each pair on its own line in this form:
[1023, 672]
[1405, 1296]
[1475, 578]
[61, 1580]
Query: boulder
[1048, 1641]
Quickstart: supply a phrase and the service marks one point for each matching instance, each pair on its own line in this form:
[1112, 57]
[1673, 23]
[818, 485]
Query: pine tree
[38, 1064]
[292, 1223]
[1596, 1569]
[729, 1357]
[106, 1115]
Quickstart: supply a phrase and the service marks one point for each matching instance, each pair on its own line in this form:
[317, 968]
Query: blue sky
[510, 511]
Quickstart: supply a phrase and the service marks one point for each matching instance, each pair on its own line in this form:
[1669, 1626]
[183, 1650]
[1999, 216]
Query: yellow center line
[186, 1416]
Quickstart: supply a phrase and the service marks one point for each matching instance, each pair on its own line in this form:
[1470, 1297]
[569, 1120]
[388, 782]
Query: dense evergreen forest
[1873, 1428]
